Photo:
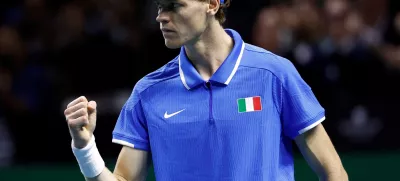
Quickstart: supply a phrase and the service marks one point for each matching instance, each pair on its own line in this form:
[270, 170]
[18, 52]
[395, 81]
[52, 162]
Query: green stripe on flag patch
[241, 105]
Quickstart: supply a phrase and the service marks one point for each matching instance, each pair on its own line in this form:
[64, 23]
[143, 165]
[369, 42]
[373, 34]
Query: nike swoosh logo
[166, 115]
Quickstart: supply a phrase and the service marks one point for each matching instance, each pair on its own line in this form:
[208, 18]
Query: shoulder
[164, 73]
[259, 58]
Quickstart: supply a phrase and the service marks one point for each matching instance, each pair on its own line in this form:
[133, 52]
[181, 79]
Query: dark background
[54, 51]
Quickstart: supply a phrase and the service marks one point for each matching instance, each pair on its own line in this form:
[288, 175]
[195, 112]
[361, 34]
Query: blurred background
[54, 51]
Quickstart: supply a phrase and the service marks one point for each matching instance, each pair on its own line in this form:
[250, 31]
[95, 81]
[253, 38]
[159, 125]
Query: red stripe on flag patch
[257, 103]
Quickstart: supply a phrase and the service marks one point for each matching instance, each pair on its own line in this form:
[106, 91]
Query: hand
[81, 118]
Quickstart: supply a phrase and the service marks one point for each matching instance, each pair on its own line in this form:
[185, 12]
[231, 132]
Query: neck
[210, 50]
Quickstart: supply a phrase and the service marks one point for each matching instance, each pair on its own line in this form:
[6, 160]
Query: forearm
[339, 175]
[106, 175]
[92, 164]
[318, 150]
[328, 169]
[93, 167]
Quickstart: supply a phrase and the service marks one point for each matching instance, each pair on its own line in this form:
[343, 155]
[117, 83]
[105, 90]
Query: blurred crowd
[348, 51]
[52, 51]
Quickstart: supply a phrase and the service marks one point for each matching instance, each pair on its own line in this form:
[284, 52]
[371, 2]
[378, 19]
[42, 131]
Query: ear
[213, 7]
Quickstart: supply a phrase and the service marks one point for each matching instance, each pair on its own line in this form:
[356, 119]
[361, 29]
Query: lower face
[172, 40]
[188, 23]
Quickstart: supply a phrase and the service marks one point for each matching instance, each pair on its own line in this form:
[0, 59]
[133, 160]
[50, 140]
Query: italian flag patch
[249, 104]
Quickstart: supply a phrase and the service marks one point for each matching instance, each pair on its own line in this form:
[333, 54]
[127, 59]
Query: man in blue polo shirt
[221, 110]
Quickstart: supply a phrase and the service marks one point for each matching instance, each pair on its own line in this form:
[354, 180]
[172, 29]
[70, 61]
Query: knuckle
[82, 104]
[85, 118]
[81, 118]
[66, 112]
[79, 106]
[83, 99]
[82, 111]
[71, 123]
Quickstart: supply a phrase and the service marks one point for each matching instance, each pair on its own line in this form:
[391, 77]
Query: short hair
[220, 16]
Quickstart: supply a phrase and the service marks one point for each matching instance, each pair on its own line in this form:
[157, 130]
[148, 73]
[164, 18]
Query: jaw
[172, 44]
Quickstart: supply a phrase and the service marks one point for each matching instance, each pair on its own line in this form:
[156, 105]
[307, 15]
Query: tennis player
[222, 110]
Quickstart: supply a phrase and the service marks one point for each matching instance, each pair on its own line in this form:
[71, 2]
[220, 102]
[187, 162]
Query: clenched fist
[81, 118]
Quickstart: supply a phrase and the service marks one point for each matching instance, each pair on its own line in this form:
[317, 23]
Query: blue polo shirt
[238, 126]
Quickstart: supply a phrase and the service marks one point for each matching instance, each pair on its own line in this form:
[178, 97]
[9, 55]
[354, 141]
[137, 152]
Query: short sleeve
[131, 127]
[299, 109]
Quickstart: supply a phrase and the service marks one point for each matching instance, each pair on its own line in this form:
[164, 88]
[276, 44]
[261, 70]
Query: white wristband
[89, 159]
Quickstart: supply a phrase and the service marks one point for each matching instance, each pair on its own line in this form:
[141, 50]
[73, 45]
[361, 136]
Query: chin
[172, 44]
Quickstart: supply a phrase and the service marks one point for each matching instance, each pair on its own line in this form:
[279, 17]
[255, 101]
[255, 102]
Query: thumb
[92, 113]
[92, 105]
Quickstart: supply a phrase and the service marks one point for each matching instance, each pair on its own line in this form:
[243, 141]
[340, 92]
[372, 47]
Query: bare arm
[318, 150]
[132, 165]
